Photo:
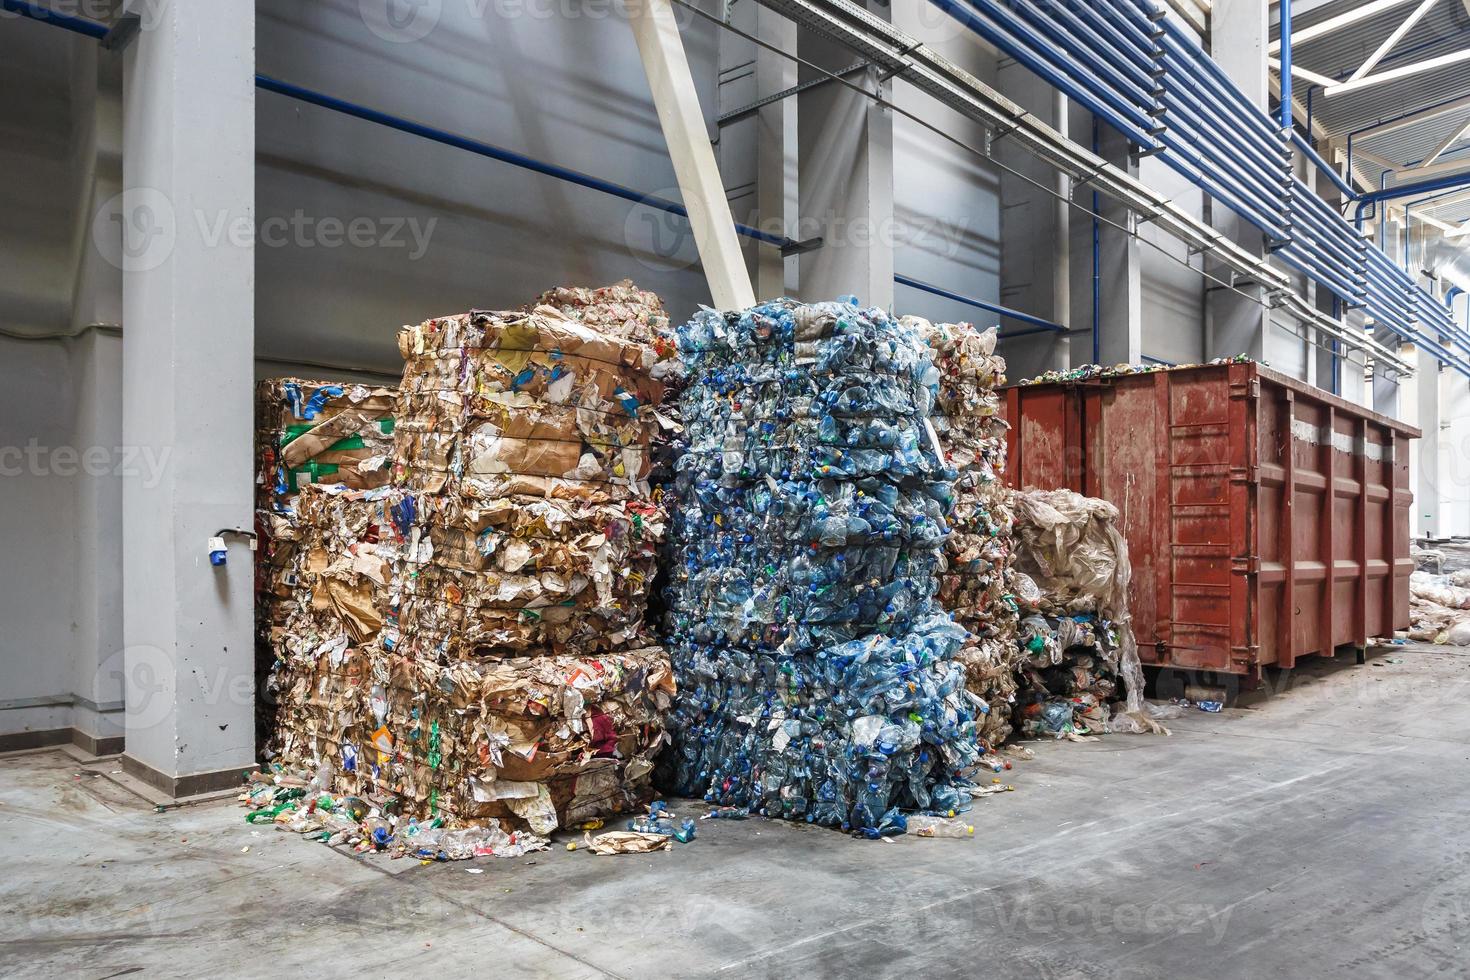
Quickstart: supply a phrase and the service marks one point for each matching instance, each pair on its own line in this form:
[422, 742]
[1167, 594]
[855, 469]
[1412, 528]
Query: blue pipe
[1322, 165]
[495, 153]
[1288, 124]
[1005, 311]
[1241, 159]
[1336, 388]
[1446, 182]
[76, 25]
[1022, 53]
[1127, 78]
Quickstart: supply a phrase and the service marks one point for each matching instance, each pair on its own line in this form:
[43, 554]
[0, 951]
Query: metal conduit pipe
[1342, 249]
[1305, 258]
[1012, 46]
[1135, 50]
[1125, 78]
[77, 25]
[1183, 121]
[1036, 321]
[1190, 53]
[496, 153]
[1019, 36]
[1323, 166]
[1273, 170]
[1185, 84]
[1283, 10]
[1190, 165]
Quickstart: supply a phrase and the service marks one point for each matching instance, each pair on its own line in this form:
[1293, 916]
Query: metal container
[1266, 519]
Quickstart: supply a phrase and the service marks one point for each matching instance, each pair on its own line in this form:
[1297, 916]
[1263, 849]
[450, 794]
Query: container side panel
[1123, 469]
[1199, 519]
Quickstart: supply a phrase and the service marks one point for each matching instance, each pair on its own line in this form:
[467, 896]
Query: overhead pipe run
[1038, 324]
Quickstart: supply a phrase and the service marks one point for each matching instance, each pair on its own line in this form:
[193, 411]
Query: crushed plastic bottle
[817, 679]
[923, 825]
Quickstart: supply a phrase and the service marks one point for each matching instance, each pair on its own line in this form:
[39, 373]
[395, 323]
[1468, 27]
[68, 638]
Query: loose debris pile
[1439, 608]
[817, 678]
[1076, 634]
[1094, 372]
[976, 586]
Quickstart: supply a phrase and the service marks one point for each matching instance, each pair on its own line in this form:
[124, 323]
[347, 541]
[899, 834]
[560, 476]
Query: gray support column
[187, 220]
[1237, 324]
[1424, 471]
[757, 151]
[1034, 232]
[845, 149]
[776, 135]
[1119, 269]
[97, 716]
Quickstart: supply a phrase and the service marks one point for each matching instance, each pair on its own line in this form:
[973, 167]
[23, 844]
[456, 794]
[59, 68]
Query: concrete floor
[1313, 832]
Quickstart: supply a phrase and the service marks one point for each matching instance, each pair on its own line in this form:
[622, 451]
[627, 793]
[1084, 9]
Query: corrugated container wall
[1223, 476]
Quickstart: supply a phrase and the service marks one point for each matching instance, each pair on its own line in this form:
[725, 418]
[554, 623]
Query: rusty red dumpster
[1267, 520]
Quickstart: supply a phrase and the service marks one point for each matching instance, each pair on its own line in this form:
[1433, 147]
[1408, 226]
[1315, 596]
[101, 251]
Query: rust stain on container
[1267, 520]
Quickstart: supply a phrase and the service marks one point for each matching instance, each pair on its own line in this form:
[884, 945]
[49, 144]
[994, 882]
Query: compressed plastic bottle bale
[817, 679]
[976, 585]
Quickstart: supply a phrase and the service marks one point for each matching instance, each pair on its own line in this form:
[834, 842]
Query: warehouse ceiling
[1440, 28]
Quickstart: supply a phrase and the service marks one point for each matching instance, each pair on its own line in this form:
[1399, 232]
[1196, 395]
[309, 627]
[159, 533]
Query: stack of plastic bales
[976, 587]
[307, 433]
[817, 678]
[520, 681]
[1076, 636]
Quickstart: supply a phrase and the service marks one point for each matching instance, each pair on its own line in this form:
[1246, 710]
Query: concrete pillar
[97, 716]
[758, 151]
[1391, 392]
[776, 187]
[1424, 471]
[1035, 232]
[187, 219]
[1120, 285]
[1235, 323]
[845, 153]
[1454, 454]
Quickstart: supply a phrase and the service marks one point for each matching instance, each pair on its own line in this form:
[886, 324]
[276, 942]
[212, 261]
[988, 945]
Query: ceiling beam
[1455, 136]
[1395, 74]
[1341, 20]
[1394, 38]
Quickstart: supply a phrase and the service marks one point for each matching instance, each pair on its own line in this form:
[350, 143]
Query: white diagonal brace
[700, 186]
[1340, 21]
[1455, 136]
[1394, 74]
[1392, 39]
